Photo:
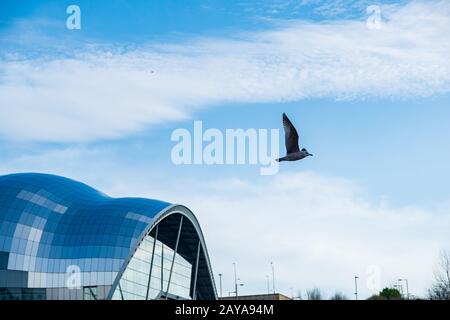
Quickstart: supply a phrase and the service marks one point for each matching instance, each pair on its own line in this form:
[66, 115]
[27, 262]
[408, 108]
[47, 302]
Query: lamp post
[220, 283]
[236, 284]
[399, 288]
[356, 287]
[273, 277]
[407, 286]
[235, 280]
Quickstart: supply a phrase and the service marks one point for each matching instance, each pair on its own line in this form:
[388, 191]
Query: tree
[390, 294]
[387, 294]
[339, 296]
[440, 290]
[314, 294]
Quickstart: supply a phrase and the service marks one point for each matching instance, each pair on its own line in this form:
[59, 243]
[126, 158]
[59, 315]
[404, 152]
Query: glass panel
[135, 278]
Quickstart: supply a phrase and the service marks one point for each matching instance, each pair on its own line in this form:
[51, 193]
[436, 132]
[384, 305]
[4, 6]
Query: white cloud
[319, 230]
[107, 94]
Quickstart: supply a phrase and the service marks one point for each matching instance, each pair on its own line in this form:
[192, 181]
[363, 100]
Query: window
[90, 293]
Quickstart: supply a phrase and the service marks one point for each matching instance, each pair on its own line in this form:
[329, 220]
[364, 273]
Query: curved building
[61, 239]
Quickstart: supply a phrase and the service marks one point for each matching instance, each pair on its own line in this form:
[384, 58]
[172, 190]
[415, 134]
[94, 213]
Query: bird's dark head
[307, 153]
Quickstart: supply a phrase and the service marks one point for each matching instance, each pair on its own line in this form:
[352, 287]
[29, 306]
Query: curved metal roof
[72, 214]
[49, 223]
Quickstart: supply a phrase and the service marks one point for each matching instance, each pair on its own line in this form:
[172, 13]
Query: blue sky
[372, 105]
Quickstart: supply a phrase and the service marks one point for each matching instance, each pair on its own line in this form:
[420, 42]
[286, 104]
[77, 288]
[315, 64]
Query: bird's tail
[281, 159]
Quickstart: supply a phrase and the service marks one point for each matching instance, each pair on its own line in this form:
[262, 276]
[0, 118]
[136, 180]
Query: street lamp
[220, 283]
[236, 284]
[273, 277]
[235, 280]
[356, 287]
[407, 287]
[399, 288]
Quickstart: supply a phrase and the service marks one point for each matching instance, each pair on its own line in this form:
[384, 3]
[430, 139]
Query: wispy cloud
[107, 94]
[349, 9]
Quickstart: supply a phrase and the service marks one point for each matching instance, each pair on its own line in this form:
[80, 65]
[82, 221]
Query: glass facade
[61, 239]
[135, 280]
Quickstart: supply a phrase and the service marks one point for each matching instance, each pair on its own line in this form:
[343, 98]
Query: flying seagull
[293, 152]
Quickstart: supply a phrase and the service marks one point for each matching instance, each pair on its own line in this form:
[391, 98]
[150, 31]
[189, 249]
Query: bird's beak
[311, 154]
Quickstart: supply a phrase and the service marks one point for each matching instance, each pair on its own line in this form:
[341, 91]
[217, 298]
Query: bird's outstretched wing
[290, 135]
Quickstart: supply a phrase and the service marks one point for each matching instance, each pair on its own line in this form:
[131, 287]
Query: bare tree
[314, 294]
[339, 296]
[299, 295]
[440, 290]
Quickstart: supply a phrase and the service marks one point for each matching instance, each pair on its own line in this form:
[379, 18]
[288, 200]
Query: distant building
[272, 296]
